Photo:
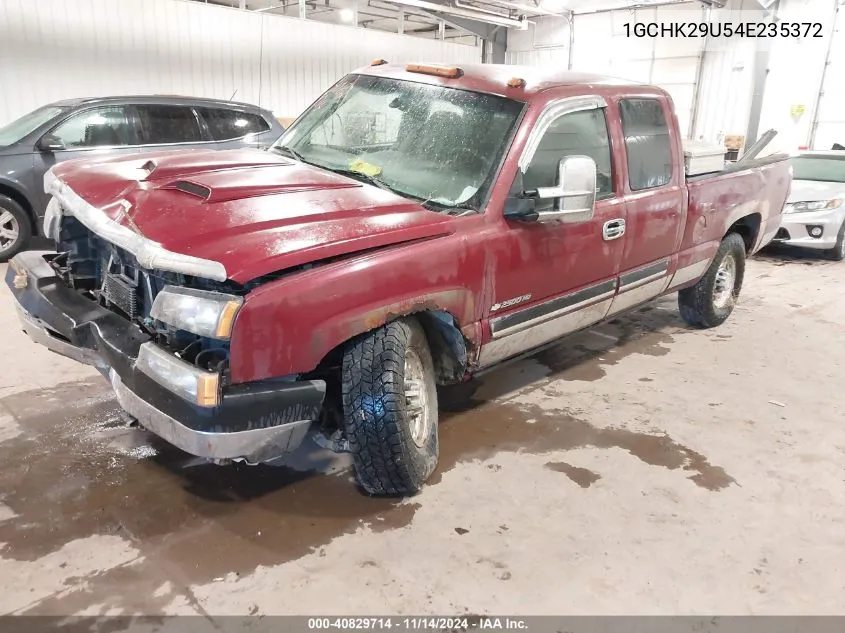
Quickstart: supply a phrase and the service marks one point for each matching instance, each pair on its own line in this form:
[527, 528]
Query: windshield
[435, 144]
[822, 168]
[16, 130]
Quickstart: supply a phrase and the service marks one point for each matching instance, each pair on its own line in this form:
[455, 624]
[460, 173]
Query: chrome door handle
[613, 229]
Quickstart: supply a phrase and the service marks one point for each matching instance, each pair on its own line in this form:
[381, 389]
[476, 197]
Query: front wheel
[710, 302]
[390, 408]
[837, 253]
[15, 228]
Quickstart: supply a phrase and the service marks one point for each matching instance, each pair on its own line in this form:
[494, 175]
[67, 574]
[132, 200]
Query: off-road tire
[24, 228]
[697, 303]
[837, 253]
[377, 422]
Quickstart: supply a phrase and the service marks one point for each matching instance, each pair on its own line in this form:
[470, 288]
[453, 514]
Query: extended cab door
[655, 197]
[552, 278]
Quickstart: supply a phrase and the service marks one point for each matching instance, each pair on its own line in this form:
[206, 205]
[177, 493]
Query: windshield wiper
[461, 208]
[372, 180]
[440, 207]
[284, 150]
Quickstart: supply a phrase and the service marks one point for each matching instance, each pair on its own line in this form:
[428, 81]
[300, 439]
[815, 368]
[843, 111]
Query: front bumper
[254, 421]
[795, 228]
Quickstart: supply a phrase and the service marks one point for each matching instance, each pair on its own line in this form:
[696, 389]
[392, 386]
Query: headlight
[52, 219]
[209, 314]
[191, 383]
[816, 205]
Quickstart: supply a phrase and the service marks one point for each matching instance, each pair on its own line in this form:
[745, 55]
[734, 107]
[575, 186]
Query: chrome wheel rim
[9, 229]
[417, 399]
[842, 248]
[723, 289]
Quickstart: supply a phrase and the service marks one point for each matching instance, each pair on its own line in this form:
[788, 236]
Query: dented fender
[289, 325]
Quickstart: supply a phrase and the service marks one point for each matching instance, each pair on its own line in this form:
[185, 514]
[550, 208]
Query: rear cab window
[647, 143]
[163, 124]
[224, 125]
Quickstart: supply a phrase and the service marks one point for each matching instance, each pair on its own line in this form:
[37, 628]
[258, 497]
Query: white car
[814, 215]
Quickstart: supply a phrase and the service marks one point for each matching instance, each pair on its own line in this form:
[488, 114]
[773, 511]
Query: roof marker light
[451, 72]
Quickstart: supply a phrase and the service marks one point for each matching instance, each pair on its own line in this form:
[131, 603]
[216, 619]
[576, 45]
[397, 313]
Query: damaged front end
[161, 337]
[112, 278]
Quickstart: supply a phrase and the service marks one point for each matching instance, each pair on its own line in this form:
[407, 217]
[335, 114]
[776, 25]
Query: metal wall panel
[602, 45]
[295, 70]
[712, 81]
[795, 70]
[828, 126]
[726, 86]
[548, 48]
[59, 49]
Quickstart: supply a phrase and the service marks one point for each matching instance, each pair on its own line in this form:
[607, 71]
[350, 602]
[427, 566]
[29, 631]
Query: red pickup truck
[417, 224]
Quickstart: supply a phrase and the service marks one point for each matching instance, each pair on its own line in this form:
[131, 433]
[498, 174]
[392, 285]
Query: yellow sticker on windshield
[363, 167]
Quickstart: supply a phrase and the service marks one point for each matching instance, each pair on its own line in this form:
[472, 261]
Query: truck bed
[758, 188]
[733, 168]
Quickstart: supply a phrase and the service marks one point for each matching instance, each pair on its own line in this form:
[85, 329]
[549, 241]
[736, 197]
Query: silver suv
[110, 126]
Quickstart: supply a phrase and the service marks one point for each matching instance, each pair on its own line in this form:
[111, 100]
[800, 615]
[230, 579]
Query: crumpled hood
[254, 212]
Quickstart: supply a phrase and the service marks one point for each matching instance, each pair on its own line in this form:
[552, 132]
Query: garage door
[829, 122]
[604, 43]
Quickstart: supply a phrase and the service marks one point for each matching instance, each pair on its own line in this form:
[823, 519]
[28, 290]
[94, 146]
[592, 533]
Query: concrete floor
[641, 467]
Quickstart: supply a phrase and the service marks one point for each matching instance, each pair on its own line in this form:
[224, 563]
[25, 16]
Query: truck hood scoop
[238, 183]
[252, 211]
[186, 186]
[184, 163]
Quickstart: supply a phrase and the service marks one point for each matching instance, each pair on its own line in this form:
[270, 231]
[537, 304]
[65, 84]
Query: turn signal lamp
[208, 386]
[227, 319]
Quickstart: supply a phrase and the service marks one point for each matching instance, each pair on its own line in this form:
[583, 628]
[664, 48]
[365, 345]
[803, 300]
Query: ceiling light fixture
[472, 15]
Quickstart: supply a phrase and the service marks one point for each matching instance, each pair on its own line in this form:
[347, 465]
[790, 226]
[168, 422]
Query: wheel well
[447, 344]
[448, 347]
[18, 197]
[747, 228]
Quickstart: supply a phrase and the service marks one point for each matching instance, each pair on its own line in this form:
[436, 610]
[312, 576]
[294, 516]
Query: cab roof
[493, 78]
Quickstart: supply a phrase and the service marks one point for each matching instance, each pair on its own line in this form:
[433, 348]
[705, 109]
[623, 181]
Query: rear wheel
[390, 408]
[837, 253]
[15, 228]
[710, 302]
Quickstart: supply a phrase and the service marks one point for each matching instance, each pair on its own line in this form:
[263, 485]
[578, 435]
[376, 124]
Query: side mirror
[574, 194]
[50, 143]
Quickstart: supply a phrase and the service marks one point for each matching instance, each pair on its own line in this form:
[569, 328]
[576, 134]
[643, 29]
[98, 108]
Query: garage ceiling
[448, 19]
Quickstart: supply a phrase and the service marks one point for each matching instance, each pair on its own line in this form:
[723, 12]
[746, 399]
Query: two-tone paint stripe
[531, 327]
[529, 317]
[644, 275]
[537, 314]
